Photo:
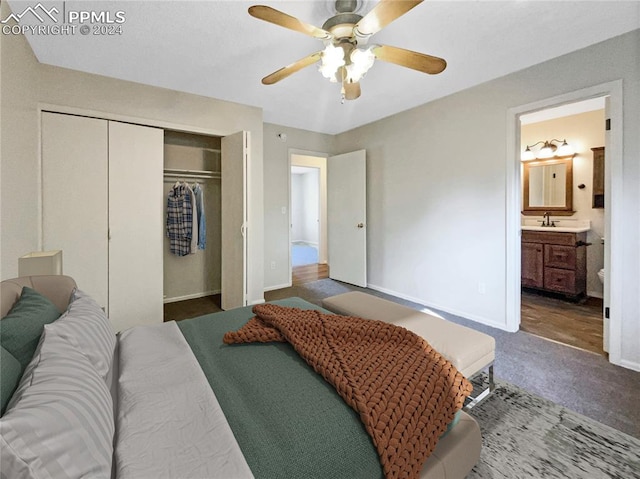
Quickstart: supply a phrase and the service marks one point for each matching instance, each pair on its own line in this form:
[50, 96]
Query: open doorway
[305, 215]
[308, 218]
[563, 223]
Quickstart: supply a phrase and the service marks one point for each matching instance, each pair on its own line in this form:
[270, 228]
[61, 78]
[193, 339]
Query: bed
[172, 400]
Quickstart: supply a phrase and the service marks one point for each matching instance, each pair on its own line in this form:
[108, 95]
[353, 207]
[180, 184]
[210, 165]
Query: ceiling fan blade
[407, 58]
[385, 12]
[276, 17]
[291, 69]
[351, 90]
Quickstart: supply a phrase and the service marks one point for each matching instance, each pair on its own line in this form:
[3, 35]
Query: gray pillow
[87, 327]
[22, 326]
[59, 422]
[10, 374]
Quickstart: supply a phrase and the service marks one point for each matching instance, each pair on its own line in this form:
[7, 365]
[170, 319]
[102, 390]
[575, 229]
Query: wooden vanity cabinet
[554, 261]
[532, 265]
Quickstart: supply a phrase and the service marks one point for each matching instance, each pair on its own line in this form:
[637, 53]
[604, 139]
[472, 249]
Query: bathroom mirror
[548, 186]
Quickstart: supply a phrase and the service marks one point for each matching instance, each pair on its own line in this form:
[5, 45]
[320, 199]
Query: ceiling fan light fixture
[341, 61]
[332, 59]
[361, 62]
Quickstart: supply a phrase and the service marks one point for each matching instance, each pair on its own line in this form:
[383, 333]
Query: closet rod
[204, 148]
[188, 175]
[180, 171]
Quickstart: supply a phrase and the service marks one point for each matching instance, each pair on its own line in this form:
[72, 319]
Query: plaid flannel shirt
[179, 220]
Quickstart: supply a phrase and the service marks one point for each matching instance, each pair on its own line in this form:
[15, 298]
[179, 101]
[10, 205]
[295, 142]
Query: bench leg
[484, 394]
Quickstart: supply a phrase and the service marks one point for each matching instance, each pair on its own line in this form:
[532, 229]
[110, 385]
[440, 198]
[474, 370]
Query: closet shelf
[178, 173]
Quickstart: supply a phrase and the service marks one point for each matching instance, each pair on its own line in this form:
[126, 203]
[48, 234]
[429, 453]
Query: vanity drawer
[556, 256]
[567, 239]
[561, 280]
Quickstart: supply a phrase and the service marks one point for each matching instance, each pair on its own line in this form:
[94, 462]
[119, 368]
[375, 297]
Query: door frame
[613, 193]
[321, 164]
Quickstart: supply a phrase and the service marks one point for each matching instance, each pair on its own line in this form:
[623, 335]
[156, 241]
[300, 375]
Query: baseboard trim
[257, 301]
[629, 364]
[306, 243]
[462, 314]
[277, 286]
[191, 296]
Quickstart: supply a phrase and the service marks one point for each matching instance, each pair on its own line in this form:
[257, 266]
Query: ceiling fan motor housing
[341, 25]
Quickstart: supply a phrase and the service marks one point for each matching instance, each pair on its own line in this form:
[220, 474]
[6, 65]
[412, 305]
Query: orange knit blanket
[405, 392]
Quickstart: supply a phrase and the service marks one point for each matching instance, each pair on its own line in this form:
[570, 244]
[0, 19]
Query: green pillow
[10, 374]
[20, 330]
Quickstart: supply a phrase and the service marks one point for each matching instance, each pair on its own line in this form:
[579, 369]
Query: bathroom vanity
[555, 261]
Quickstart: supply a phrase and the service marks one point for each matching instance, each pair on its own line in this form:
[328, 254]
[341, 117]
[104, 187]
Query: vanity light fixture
[548, 150]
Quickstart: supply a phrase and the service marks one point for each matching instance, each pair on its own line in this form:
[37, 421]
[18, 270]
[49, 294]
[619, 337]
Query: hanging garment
[179, 219]
[202, 224]
[193, 245]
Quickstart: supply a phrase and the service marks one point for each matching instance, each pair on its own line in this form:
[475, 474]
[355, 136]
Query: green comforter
[288, 421]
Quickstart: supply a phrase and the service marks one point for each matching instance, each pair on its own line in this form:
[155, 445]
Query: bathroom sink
[556, 229]
[562, 225]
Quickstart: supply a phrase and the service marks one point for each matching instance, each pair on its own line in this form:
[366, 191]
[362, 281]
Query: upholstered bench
[470, 351]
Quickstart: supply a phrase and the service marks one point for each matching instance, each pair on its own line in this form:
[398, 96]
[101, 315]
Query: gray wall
[25, 83]
[276, 194]
[437, 187]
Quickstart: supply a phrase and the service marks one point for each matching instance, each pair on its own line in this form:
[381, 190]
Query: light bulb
[328, 71]
[332, 59]
[546, 151]
[565, 149]
[527, 155]
[333, 56]
[361, 61]
[363, 58]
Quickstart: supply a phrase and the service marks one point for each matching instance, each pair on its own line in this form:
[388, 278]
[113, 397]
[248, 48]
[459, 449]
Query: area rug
[526, 436]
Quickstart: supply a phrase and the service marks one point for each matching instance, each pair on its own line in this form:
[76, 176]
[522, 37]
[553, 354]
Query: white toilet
[601, 275]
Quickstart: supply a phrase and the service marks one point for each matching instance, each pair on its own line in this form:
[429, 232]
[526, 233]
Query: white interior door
[346, 216]
[136, 212]
[74, 198]
[234, 219]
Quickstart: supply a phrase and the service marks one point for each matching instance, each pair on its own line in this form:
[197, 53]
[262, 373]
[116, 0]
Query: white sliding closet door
[235, 151]
[136, 209]
[74, 198]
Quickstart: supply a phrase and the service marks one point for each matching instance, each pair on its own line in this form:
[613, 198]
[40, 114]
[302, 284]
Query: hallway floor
[303, 254]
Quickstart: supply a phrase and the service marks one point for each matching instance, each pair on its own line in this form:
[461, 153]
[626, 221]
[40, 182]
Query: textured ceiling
[216, 49]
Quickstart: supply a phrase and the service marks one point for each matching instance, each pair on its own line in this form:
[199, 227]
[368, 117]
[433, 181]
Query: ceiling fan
[344, 60]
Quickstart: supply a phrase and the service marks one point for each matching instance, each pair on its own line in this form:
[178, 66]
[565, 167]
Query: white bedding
[169, 422]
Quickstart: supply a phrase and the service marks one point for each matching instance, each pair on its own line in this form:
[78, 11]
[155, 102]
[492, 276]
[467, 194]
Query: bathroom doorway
[563, 223]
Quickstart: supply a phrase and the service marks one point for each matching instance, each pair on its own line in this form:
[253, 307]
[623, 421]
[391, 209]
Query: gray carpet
[525, 436]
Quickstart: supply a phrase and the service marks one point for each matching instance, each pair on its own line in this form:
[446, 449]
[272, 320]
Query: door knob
[360, 225]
